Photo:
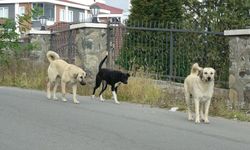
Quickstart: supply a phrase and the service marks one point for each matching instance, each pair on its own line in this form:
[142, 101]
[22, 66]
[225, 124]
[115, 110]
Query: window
[62, 14]
[115, 19]
[4, 12]
[39, 7]
[49, 11]
[89, 18]
[81, 17]
[70, 16]
[21, 10]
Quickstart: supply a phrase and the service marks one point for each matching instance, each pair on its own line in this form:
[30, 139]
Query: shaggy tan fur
[67, 73]
[199, 86]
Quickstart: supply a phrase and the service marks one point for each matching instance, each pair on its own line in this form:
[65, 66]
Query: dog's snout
[208, 78]
[125, 82]
[83, 83]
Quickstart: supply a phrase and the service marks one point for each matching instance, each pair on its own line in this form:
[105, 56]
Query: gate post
[239, 69]
[70, 46]
[109, 46]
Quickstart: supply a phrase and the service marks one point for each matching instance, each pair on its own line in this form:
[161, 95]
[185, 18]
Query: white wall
[87, 2]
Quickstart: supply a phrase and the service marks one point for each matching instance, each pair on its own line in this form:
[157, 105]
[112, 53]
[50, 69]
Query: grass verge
[140, 89]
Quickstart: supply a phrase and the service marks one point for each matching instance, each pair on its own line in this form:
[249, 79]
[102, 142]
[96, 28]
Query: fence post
[70, 46]
[171, 54]
[108, 45]
[52, 47]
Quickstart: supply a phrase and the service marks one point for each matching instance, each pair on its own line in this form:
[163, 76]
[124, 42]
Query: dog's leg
[104, 86]
[74, 88]
[115, 91]
[63, 85]
[114, 94]
[48, 90]
[187, 98]
[115, 97]
[54, 90]
[207, 104]
[202, 112]
[197, 113]
[97, 84]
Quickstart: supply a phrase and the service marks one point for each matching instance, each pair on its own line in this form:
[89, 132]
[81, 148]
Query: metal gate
[63, 41]
[167, 51]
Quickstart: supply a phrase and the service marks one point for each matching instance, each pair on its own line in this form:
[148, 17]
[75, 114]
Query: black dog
[111, 77]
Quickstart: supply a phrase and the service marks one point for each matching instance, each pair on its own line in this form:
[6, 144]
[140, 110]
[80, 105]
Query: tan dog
[68, 73]
[199, 86]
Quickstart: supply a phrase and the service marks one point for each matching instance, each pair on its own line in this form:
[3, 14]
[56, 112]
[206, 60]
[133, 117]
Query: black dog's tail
[101, 63]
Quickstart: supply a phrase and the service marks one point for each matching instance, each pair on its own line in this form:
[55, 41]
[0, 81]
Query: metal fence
[167, 51]
[63, 41]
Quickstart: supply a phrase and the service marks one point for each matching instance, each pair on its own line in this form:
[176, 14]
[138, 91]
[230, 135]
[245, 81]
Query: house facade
[54, 10]
[112, 14]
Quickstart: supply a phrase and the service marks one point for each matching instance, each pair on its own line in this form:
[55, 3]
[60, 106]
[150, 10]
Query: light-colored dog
[68, 73]
[199, 86]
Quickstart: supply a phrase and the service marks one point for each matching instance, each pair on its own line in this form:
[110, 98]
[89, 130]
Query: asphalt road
[29, 121]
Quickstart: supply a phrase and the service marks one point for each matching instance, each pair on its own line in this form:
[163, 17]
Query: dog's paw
[92, 96]
[101, 98]
[76, 102]
[117, 102]
[64, 100]
[206, 121]
[55, 98]
[48, 96]
[190, 118]
[197, 121]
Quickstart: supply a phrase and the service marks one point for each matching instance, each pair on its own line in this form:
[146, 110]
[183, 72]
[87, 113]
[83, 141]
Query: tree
[149, 49]
[9, 38]
[217, 15]
[143, 46]
[24, 21]
[155, 10]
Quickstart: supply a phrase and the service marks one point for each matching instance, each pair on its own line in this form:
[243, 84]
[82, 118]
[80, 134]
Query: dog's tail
[52, 56]
[195, 69]
[101, 63]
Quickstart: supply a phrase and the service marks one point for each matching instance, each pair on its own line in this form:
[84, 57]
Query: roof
[68, 1]
[113, 10]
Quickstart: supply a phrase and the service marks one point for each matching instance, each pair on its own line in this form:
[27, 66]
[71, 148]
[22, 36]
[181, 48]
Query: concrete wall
[41, 40]
[90, 41]
[92, 47]
[239, 78]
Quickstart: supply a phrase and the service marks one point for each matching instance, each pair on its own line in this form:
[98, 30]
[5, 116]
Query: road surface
[29, 121]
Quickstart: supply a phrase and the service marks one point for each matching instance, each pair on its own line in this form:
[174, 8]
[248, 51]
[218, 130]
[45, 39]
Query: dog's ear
[200, 74]
[128, 75]
[75, 75]
[215, 74]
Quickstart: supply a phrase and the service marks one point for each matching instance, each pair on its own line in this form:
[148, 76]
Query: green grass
[140, 89]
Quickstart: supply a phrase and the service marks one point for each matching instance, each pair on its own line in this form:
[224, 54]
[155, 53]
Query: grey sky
[123, 4]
